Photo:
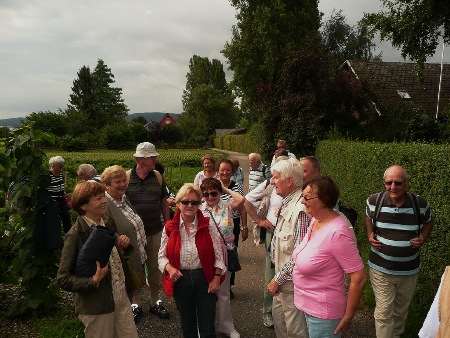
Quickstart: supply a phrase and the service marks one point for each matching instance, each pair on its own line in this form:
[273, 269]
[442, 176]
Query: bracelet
[242, 228]
[217, 274]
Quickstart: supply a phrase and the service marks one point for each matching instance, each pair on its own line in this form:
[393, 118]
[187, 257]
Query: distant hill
[152, 116]
[11, 122]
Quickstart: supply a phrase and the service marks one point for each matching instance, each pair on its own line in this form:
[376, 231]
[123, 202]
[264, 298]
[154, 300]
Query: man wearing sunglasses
[397, 225]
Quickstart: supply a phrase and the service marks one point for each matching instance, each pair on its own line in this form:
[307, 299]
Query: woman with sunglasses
[191, 259]
[209, 170]
[221, 212]
[326, 252]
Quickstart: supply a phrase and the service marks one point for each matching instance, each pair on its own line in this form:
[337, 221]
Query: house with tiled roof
[395, 84]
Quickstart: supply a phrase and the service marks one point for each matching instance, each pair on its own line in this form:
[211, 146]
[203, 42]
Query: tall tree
[414, 26]
[208, 102]
[94, 98]
[344, 42]
[261, 40]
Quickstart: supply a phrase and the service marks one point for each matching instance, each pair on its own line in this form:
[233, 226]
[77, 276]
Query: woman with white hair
[56, 190]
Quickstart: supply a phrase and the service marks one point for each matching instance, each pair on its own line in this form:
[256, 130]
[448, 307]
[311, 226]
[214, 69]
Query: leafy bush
[69, 143]
[358, 171]
[33, 272]
[117, 136]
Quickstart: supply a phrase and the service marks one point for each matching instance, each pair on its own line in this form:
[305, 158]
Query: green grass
[59, 328]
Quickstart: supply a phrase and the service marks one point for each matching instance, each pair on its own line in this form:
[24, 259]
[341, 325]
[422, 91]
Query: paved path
[247, 305]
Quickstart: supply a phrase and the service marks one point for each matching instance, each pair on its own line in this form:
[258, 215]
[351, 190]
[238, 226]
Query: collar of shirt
[91, 223]
[193, 225]
[288, 198]
[119, 204]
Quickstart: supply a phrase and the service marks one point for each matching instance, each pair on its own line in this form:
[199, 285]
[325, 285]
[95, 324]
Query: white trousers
[225, 318]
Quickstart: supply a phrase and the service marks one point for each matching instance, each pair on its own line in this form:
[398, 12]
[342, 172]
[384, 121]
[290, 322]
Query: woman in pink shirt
[325, 254]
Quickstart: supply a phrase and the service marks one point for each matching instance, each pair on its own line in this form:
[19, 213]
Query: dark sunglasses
[212, 193]
[396, 183]
[192, 202]
[306, 198]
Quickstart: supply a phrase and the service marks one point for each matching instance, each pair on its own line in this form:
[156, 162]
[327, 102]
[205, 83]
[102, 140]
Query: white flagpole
[440, 79]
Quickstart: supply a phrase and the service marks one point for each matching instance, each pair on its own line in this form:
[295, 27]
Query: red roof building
[167, 119]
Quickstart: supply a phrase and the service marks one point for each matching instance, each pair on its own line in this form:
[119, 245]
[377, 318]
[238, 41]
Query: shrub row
[358, 168]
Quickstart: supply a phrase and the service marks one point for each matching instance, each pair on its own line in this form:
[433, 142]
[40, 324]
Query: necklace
[323, 220]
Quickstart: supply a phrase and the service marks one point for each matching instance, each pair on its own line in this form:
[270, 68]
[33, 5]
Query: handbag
[133, 279]
[233, 260]
[232, 254]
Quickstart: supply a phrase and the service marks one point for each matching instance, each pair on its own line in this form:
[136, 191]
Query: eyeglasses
[306, 198]
[212, 193]
[396, 183]
[192, 202]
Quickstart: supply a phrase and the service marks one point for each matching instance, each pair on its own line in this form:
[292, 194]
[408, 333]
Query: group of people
[310, 246]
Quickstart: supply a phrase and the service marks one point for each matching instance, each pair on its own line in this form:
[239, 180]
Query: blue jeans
[322, 328]
[195, 305]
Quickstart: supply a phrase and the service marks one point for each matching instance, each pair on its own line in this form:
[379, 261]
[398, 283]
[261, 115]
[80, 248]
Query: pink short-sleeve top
[320, 263]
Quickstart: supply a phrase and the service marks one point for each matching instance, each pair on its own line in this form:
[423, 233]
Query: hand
[214, 286]
[123, 241]
[376, 244]
[344, 326]
[417, 242]
[265, 223]
[174, 273]
[100, 273]
[273, 288]
[244, 234]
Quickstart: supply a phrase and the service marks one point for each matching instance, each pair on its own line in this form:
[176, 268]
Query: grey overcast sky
[146, 43]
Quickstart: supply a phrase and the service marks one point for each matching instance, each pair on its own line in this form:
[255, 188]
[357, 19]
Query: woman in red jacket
[191, 259]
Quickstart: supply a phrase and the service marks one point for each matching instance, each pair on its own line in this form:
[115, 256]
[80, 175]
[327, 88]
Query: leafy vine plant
[24, 164]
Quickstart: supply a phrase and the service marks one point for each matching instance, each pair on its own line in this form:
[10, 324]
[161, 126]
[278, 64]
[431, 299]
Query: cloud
[146, 43]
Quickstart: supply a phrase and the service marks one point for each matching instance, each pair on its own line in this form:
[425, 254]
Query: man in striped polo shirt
[258, 172]
[394, 261]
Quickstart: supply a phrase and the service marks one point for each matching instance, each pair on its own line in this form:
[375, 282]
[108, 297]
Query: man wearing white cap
[148, 194]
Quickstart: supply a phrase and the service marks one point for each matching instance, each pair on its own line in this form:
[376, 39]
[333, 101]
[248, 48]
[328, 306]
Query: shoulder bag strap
[376, 213]
[215, 223]
[416, 208]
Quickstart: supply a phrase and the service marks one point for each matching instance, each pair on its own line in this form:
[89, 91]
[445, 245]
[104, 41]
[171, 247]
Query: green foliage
[208, 102]
[60, 328]
[49, 122]
[140, 120]
[344, 42]
[265, 33]
[358, 171]
[421, 127]
[22, 266]
[95, 99]
[414, 26]
[69, 143]
[116, 136]
[171, 134]
[138, 131]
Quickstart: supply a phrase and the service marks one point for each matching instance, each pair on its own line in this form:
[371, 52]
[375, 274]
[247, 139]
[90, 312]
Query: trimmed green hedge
[358, 168]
